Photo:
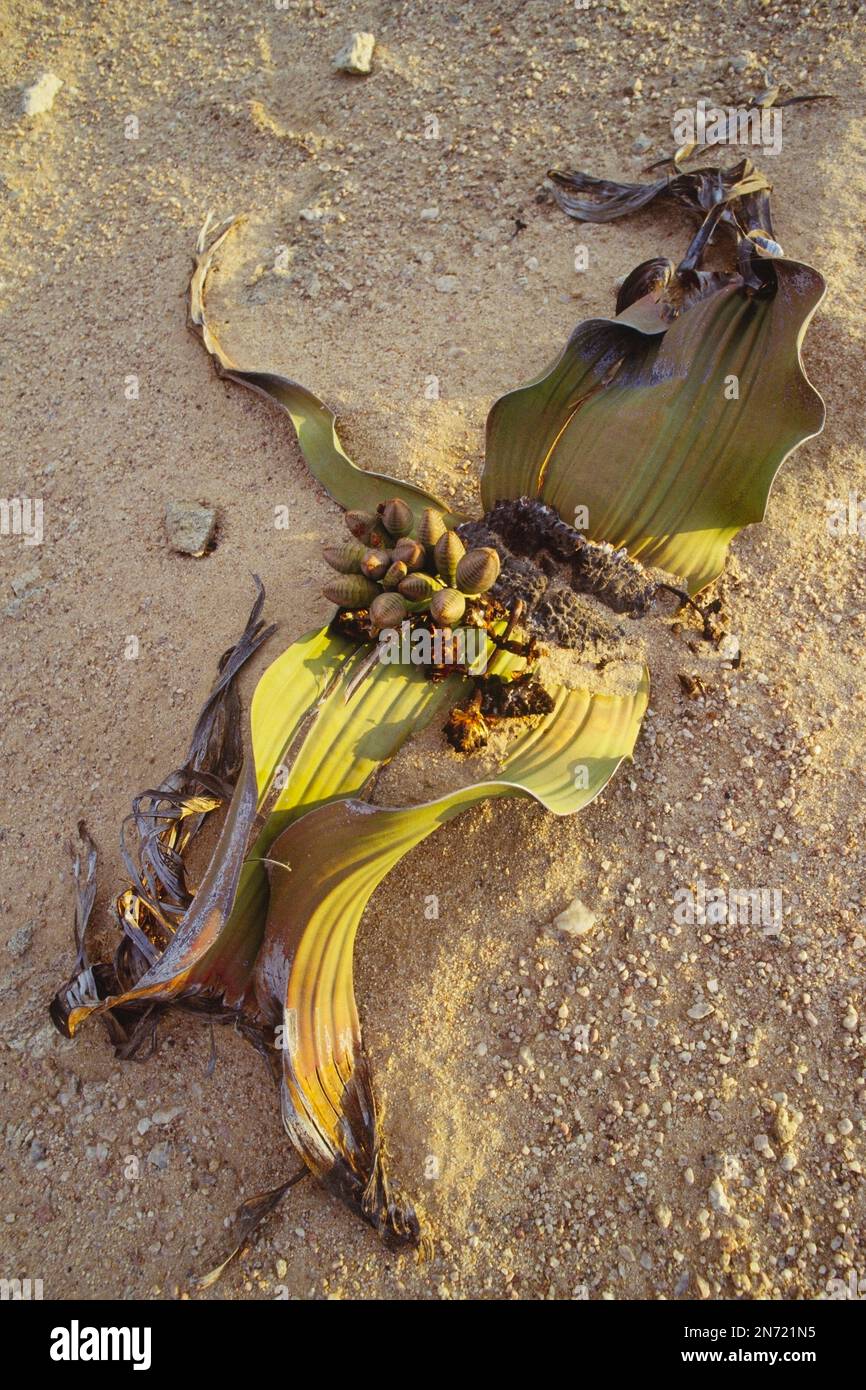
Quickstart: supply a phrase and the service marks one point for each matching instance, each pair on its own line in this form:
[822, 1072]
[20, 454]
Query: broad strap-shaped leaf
[315, 425]
[670, 436]
[345, 744]
[286, 692]
[323, 870]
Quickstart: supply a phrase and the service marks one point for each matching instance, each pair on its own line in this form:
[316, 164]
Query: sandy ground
[546, 1167]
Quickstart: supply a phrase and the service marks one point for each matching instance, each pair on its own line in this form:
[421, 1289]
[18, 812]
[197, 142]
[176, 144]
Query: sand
[571, 1118]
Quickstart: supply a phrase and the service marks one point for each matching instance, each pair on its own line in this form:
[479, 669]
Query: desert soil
[656, 1110]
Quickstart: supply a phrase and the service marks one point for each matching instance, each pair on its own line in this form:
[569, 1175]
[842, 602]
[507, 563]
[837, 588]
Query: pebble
[165, 1117]
[729, 647]
[663, 1215]
[158, 1156]
[190, 527]
[576, 920]
[356, 56]
[39, 98]
[851, 1020]
[785, 1125]
[702, 1009]
[719, 1197]
[642, 144]
[446, 284]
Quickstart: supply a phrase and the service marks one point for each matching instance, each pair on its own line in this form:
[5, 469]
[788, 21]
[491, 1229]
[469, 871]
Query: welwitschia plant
[617, 478]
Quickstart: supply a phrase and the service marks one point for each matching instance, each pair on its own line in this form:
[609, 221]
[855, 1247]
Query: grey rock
[165, 1117]
[190, 527]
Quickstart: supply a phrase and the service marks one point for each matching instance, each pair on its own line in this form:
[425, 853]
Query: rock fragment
[39, 98]
[190, 527]
[356, 56]
[576, 920]
[719, 1200]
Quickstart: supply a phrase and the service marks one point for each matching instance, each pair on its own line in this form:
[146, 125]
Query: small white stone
[446, 284]
[356, 56]
[576, 920]
[663, 1215]
[39, 98]
[729, 647]
[851, 1020]
[719, 1197]
[702, 1009]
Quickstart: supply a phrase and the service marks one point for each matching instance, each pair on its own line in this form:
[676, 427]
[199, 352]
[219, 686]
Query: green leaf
[323, 870]
[670, 435]
[315, 425]
[286, 692]
[290, 686]
[346, 742]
